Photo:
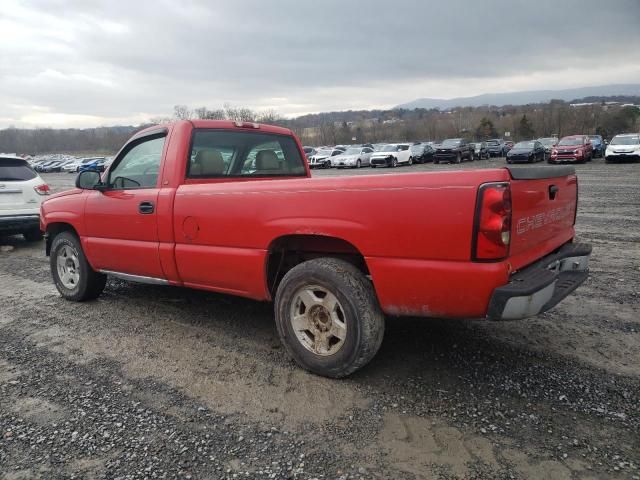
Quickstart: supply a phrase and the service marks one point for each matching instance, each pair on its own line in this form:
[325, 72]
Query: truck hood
[66, 193]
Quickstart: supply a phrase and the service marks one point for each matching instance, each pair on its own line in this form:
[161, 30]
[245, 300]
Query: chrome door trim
[136, 278]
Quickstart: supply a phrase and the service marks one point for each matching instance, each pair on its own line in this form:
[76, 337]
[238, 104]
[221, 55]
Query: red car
[230, 207]
[574, 148]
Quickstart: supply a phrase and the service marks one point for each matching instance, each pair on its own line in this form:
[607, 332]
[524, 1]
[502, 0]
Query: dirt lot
[158, 382]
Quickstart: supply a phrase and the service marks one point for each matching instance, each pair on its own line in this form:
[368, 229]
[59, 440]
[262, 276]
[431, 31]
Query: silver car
[353, 157]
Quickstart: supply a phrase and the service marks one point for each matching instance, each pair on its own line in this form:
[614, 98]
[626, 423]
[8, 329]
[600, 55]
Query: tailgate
[544, 201]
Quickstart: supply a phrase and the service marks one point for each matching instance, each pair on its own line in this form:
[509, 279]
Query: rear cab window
[15, 170]
[224, 153]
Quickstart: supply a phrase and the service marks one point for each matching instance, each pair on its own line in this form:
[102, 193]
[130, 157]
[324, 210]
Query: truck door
[121, 221]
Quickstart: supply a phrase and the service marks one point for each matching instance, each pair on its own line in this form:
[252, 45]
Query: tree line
[520, 122]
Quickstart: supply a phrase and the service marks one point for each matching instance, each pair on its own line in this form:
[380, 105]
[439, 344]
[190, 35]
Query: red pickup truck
[230, 207]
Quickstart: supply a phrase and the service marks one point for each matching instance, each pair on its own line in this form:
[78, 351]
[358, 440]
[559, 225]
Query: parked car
[97, 164]
[322, 158]
[392, 155]
[480, 150]
[41, 166]
[573, 148]
[496, 147]
[548, 143]
[55, 166]
[528, 151]
[623, 147]
[74, 167]
[334, 254]
[309, 151]
[453, 150]
[21, 193]
[353, 157]
[599, 147]
[422, 153]
[508, 145]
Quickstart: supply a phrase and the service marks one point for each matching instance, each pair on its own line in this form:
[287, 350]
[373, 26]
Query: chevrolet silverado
[230, 207]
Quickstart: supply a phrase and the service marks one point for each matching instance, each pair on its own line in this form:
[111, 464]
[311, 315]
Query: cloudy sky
[82, 63]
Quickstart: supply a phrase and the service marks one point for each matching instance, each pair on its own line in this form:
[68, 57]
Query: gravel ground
[159, 382]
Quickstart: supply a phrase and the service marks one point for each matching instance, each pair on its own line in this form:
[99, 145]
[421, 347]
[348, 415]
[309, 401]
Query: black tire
[373, 166]
[458, 158]
[90, 283]
[362, 313]
[410, 161]
[34, 235]
[436, 162]
[358, 163]
[394, 162]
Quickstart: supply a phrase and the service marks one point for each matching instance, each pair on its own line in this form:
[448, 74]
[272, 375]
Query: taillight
[492, 223]
[42, 189]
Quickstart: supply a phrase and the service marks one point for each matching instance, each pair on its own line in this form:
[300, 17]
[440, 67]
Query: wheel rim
[68, 267]
[318, 320]
[358, 164]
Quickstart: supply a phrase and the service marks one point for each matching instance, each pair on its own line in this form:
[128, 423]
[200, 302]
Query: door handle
[145, 208]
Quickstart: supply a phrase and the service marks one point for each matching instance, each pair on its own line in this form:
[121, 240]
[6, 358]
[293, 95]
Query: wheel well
[288, 251]
[54, 229]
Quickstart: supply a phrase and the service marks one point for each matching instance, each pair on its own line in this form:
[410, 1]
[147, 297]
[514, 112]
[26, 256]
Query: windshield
[16, 171]
[524, 145]
[389, 148]
[571, 141]
[352, 151]
[451, 142]
[626, 140]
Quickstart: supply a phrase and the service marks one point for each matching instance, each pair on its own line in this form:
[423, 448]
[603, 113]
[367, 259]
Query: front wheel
[410, 161]
[328, 317]
[394, 162]
[358, 164]
[458, 158]
[73, 276]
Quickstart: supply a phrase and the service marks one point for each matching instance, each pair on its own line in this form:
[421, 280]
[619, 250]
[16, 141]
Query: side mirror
[88, 180]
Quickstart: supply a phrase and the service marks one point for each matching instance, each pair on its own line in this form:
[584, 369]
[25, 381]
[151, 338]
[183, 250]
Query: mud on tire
[359, 313]
[67, 256]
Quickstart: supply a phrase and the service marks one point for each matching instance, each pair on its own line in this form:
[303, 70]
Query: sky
[84, 63]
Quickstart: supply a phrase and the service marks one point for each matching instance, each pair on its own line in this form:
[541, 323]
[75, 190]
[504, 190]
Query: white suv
[623, 147]
[21, 193]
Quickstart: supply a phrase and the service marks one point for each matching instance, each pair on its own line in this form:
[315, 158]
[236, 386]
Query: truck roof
[224, 125]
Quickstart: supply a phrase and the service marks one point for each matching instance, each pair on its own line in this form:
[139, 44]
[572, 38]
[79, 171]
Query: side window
[229, 153]
[139, 167]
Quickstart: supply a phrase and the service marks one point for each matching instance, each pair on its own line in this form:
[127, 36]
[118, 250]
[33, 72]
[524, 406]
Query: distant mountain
[523, 98]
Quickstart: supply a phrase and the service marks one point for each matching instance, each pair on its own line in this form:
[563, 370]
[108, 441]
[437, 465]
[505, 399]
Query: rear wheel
[328, 317]
[73, 276]
[358, 164]
[34, 235]
[458, 158]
